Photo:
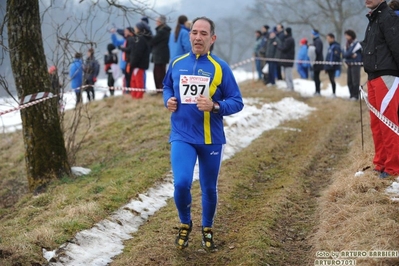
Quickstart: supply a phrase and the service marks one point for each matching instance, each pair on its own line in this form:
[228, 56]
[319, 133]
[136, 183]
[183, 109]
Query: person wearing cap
[76, 76]
[160, 51]
[381, 63]
[147, 29]
[303, 64]
[199, 90]
[318, 66]
[287, 48]
[139, 60]
[179, 41]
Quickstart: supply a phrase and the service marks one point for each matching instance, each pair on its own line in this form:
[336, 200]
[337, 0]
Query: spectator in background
[122, 44]
[91, 70]
[56, 86]
[127, 49]
[334, 58]
[272, 53]
[55, 81]
[139, 60]
[111, 67]
[160, 51]
[188, 24]
[263, 49]
[76, 76]
[147, 29]
[303, 64]
[287, 48]
[352, 55]
[381, 63]
[281, 35]
[179, 41]
[394, 5]
[317, 54]
[257, 46]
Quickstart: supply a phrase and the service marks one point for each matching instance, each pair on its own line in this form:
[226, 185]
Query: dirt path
[267, 196]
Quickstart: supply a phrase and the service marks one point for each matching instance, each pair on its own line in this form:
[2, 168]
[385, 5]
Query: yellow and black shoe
[207, 239]
[182, 237]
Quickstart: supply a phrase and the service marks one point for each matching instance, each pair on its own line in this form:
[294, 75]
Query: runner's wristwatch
[215, 108]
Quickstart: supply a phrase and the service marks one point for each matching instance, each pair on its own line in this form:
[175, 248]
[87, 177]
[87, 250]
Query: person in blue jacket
[303, 64]
[333, 57]
[118, 42]
[76, 76]
[179, 41]
[199, 89]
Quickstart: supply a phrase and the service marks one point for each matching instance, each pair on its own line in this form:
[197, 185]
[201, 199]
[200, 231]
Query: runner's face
[200, 37]
[371, 4]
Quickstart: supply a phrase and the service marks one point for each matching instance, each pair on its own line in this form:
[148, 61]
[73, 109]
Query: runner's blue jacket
[189, 124]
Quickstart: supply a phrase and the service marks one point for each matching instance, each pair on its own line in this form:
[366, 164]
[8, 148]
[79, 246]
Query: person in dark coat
[353, 59]
[288, 53]
[317, 67]
[274, 54]
[110, 62]
[139, 60]
[127, 49]
[91, 70]
[280, 33]
[160, 51]
[334, 58]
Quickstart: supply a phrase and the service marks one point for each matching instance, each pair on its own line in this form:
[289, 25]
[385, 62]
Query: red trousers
[383, 94]
[137, 82]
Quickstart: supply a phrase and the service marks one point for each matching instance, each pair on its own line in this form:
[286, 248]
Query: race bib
[191, 87]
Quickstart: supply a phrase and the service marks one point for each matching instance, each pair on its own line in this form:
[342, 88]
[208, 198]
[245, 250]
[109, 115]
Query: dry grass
[355, 212]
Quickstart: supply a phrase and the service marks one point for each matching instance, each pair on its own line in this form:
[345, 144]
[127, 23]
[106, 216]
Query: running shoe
[207, 238]
[182, 237]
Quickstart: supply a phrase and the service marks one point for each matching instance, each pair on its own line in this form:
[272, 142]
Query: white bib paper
[191, 87]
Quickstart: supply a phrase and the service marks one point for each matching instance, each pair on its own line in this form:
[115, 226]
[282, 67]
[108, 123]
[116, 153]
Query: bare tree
[327, 16]
[231, 45]
[46, 156]
[45, 153]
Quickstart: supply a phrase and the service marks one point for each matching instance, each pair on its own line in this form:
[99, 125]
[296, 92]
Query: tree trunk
[45, 153]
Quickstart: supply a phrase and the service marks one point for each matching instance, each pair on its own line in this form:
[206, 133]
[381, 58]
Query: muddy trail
[268, 195]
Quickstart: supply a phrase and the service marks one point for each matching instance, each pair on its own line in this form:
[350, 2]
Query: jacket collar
[373, 13]
[199, 56]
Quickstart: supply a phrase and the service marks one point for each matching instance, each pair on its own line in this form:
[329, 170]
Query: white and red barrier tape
[29, 104]
[384, 119]
[306, 61]
[35, 96]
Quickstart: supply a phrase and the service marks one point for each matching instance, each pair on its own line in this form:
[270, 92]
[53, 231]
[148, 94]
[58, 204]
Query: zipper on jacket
[195, 63]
